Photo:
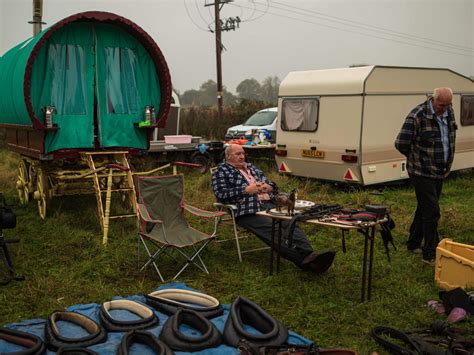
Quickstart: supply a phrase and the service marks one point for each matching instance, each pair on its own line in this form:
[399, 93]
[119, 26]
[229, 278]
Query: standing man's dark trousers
[425, 223]
[262, 228]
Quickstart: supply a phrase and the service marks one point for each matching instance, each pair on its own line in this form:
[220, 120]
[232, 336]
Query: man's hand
[258, 188]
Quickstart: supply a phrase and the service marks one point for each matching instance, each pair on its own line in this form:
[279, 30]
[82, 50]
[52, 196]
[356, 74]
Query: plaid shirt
[420, 141]
[229, 186]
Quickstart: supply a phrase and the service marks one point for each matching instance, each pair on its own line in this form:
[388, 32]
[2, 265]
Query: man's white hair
[227, 151]
[437, 92]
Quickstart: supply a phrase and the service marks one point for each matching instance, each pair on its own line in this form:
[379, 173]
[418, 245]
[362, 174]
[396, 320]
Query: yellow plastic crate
[454, 265]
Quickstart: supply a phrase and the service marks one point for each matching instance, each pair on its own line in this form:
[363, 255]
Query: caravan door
[63, 77]
[127, 82]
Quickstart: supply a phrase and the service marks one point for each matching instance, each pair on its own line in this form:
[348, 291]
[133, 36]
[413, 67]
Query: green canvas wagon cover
[99, 71]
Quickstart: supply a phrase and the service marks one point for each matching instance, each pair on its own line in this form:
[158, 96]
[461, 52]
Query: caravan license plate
[309, 153]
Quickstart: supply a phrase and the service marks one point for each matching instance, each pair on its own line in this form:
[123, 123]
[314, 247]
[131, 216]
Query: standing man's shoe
[415, 250]
[430, 262]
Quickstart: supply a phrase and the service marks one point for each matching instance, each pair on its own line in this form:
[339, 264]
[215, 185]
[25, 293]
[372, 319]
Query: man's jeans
[425, 223]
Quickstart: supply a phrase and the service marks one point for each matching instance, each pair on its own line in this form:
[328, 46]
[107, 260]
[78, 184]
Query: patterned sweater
[420, 141]
[229, 185]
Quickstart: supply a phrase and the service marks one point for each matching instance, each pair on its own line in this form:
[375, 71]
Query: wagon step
[112, 176]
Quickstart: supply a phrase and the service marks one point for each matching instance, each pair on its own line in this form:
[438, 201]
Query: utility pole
[218, 58]
[230, 24]
[37, 16]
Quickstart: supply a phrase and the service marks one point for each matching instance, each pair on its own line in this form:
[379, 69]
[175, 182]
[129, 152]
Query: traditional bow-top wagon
[76, 100]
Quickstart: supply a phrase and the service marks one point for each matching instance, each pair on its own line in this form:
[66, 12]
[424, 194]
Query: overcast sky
[276, 37]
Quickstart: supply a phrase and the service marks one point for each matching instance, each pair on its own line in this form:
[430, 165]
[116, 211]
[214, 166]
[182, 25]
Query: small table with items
[364, 227]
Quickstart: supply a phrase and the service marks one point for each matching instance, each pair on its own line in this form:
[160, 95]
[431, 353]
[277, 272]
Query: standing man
[238, 182]
[427, 140]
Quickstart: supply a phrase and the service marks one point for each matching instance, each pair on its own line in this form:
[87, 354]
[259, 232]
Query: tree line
[248, 89]
[199, 107]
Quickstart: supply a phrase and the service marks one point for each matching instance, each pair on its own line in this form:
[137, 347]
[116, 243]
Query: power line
[200, 15]
[362, 25]
[253, 12]
[190, 17]
[357, 32]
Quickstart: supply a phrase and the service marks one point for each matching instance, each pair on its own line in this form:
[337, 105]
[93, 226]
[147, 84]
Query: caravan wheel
[23, 182]
[42, 192]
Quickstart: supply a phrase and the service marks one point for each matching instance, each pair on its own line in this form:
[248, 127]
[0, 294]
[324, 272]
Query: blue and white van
[265, 119]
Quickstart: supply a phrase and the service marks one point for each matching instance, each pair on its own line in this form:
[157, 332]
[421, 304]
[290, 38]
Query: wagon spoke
[42, 193]
[23, 182]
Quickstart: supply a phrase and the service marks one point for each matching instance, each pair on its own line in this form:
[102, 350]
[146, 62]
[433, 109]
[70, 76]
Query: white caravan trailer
[341, 124]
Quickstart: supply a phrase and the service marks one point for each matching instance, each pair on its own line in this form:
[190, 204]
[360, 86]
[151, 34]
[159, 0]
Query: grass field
[65, 263]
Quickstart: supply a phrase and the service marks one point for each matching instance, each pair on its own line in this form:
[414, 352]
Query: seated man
[240, 183]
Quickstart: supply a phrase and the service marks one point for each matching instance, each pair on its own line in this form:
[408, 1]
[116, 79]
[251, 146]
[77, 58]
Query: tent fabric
[63, 77]
[98, 70]
[36, 326]
[12, 71]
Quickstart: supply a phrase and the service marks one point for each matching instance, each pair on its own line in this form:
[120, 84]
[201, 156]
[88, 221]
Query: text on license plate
[309, 153]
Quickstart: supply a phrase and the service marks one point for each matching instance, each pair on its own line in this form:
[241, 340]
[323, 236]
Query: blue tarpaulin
[36, 326]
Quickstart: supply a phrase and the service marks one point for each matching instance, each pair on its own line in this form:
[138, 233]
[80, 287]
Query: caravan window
[300, 114]
[467, 110]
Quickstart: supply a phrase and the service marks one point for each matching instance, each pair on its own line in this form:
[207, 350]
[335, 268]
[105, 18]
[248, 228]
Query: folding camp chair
[239, 233]
[162, 222]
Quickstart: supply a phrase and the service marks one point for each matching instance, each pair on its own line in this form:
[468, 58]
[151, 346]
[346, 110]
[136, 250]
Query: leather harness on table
[143, 337]
[54, 340]
[32, 343]
[313, 212]
[75, 351]
[177, 340]
[111, 324]
[168, 301]
[245, 312]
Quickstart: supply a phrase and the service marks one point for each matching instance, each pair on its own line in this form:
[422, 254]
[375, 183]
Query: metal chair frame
[229, 217]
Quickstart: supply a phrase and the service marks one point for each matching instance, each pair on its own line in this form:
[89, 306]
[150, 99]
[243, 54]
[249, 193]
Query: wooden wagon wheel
[42, 192]
[22, 184]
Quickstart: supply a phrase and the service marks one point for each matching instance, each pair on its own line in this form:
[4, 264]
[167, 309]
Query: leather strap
[147, 338]
[32, 343]
[169, 300]
[245, 312]
[75, 351]
[177, 340]
[147, 319]
[380, 334]
[55, 340]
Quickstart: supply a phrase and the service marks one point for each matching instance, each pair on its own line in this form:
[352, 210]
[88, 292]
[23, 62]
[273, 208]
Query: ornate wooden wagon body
[75, 101]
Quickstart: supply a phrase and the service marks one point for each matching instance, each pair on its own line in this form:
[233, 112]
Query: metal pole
[37, 16]
[218, 58]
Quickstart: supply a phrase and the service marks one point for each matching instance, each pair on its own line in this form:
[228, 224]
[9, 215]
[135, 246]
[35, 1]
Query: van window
[467, 110]
[260, 118]
[300, 114]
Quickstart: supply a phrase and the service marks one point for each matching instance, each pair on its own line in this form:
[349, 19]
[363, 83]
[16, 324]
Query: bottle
[48, 116]
[153, 117]
[147, 114]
